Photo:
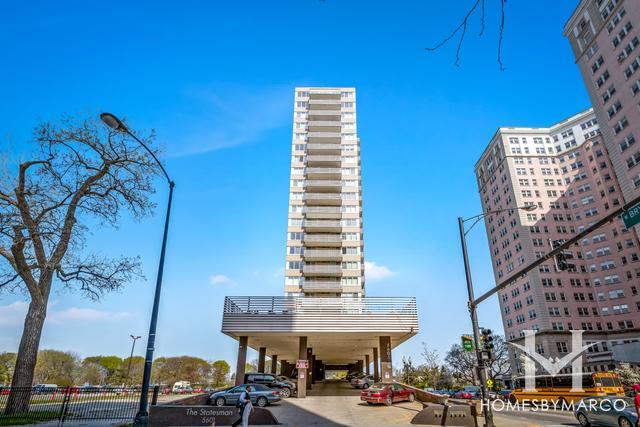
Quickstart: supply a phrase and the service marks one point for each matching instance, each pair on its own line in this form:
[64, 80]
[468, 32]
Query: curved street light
[472, 307]
[142, 417]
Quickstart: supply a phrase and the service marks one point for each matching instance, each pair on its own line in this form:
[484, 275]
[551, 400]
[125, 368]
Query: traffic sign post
[631, 217]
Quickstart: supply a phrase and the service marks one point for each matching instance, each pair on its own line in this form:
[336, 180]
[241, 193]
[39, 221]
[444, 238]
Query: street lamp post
[482, 373]
[134, 338]
[142, 417]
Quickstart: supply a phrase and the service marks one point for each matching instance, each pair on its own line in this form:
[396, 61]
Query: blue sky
[216, 80]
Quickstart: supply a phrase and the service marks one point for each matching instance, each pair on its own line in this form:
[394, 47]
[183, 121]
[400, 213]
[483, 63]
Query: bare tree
[462, 364]
[462, 30]
[500, 367]
[81, 175]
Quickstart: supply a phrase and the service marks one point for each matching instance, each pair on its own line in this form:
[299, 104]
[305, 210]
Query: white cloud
[13, 314]
[217, 117]
[374, 272]
[76, 314]
[219, 279]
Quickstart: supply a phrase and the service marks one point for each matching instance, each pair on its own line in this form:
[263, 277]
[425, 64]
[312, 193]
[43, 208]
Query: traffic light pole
[482, 373]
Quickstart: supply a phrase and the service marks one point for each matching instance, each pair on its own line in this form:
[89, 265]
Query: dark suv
[270, 381]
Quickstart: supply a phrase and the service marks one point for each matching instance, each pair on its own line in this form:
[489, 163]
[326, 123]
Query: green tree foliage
[91, 373]
[56, 367]
[7, 364]
[131, 373]
[112, 366]
[219, 373]
[168, 370]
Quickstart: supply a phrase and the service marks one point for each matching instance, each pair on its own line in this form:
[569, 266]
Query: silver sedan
[260, 394]
[606, 411]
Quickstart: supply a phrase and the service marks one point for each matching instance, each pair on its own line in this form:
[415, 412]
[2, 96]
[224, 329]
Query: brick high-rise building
[604, 36]
[565, 171]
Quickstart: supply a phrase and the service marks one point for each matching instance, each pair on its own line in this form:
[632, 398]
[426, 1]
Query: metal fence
[70, 403]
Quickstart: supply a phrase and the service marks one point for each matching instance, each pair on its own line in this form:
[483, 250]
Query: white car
[362, 381]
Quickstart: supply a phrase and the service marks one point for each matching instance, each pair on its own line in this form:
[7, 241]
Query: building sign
[302, 364]
[632, 216]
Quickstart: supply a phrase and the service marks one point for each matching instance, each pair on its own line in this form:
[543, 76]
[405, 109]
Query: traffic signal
[487, 344]
[562, 259]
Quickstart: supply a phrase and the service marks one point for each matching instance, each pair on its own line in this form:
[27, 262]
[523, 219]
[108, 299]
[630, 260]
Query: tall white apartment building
[324, 316]
[324, 243]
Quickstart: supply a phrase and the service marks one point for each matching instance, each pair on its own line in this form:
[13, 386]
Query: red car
[463, 395]
[387, 393]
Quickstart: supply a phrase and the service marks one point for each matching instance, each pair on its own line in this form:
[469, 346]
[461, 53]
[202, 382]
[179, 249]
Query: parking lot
[336, 403]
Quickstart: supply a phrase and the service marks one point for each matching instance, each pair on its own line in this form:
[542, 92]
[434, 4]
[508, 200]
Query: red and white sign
[302, 364]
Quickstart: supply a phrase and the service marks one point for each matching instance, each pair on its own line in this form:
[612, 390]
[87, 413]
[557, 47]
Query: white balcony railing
[246, 314]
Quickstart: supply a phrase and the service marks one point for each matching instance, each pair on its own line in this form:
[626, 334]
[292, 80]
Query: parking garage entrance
[336, 372]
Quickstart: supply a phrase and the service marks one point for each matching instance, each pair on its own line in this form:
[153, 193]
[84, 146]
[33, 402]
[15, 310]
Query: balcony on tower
[322, 212]
[323, 173]
[322, 255]
[324, 149]
[322, 270]
[325, 125]
[312, 286]
[326, 240]
[323, 186]
[322, 199]
[324, 161]
[322, 225]
[324, 137]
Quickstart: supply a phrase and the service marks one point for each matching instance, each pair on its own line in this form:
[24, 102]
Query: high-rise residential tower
[565, 171]
[604, 36]
[324, 243]
[324, 318]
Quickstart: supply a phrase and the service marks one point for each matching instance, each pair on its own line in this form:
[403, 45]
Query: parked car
[463, 395]
[474, 390]
[270, 381]
[504, 394]
[386, 393]
[180, 386]
[260, 394]
[352, 374]
[606, 411]
[363, 381]
[287, 380]
[198, 390]
[45, 388]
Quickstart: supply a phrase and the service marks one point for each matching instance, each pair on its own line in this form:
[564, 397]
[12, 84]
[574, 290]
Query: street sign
[467, 343]
[302, 364]
[489, 383]
[632, 216]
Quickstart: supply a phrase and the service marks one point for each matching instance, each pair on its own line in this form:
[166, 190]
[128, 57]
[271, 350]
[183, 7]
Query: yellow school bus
[558, 388]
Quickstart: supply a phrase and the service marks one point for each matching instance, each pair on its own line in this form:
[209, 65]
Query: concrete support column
[359, 366]
[261, 356]
[310, 370]
[386, 367]
[366, 364]
[242, 360]
[302, 373]
[376, 369]
[274, 363]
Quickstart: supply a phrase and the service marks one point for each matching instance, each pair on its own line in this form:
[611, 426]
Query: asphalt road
[529, 418]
